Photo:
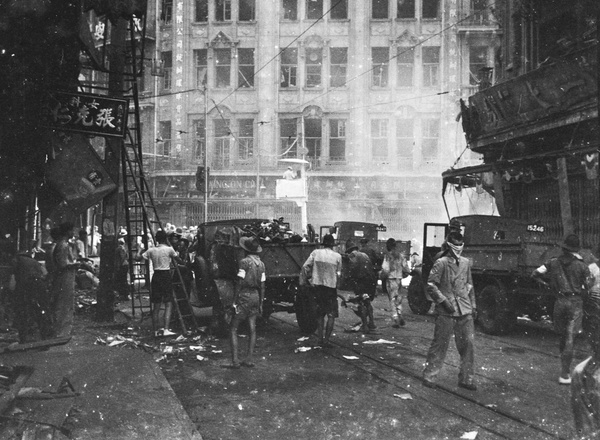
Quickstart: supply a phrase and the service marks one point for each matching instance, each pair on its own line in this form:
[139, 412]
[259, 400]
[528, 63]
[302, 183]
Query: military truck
[216, 264]
[504, 252]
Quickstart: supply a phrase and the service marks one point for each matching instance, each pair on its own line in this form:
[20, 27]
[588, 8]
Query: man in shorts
[322, 270]
[247, 298]
[161, 289]
[364, 280]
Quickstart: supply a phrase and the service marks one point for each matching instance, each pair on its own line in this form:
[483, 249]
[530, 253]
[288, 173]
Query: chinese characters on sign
[87, 113]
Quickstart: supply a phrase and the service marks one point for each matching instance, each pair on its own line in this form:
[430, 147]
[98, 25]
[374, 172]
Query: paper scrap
[351, 357]
[302, 349]
[200, 358]
[303, 338]
[469, 435]
[403, 396]
[380, 341]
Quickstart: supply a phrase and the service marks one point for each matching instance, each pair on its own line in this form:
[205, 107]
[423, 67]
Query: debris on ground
[352, 358]
[380, 341]
[472, 435]
[404, 396]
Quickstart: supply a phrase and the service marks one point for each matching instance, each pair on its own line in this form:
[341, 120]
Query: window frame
[427, 123]
[166, 128]
[252, 8]
[401, 66]
[400, 8]
[384, 4]
[167, 59]
[317, 14]
[334, 66]
[432, 5]
[288, 137]
[222, 144]
[219, 67]
[198, 68]
[384, 79]
[199, 139]
[313, 69]
[245, 139]
[428, 67]
[402, 141]
[241, 76]
[338, 134]
[379, 132]
[223, 11]
[289, 13]
[197, 18]
[337, 7]
[288, 71]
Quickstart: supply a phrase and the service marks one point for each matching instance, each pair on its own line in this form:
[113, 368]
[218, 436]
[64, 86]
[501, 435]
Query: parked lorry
[216, 264]
[504, 252]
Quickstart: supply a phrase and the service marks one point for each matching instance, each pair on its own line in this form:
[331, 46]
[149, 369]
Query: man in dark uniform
[365, 282]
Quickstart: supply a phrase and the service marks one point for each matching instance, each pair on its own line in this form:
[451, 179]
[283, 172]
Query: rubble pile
[272, 231]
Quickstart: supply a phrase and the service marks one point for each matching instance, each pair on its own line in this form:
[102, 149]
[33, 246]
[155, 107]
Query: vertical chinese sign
[178, 77]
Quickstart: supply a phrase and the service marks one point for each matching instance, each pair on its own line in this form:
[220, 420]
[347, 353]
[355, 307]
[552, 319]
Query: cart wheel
[305, 314]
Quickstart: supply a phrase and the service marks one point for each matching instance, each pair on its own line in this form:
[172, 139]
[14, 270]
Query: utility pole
[112, 162]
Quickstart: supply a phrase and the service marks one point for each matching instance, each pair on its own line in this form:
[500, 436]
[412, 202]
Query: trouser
[394, 291]
[464, 335]
[63, 295]
[585, 390]
[567, 312]
[121, 284]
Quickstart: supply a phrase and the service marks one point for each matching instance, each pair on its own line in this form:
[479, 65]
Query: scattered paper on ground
[303, 338]
[302, 349]
[470, 435]
[350, 357]
[404, 396]
[380, 341]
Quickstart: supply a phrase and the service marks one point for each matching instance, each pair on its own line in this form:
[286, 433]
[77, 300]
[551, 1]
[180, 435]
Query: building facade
[367, 92]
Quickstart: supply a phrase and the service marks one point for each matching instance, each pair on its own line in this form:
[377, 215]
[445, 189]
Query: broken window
[223, 10]
[477, 62]
[312, 137]
[314, 9]
[379, 138]
[430, 8]
[245, 139]
[381, 61]
[247, 10]
[406, 9]
[339, 10]
[431, 65]
[201, 11]
[199, 139]
[380, 9]
[166, 14]
[314, 60]
[406, 66]
[289, 67]
[223, 67]
[164, 138]
[289, 137]
[167, 59]
[339, 66]
[222, 155]
[201, 61]
[337, 140]
[290, 9]
[245, 67]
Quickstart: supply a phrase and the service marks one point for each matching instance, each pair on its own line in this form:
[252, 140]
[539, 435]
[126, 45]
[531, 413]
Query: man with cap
[364, 280]
[450, 286]
[249, 292]
[289, 174]
[321, 271]
[569, 278]
[393, 270]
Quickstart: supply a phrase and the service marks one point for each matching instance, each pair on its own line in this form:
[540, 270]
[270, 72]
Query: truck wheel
[494, 315]
[417, 301]
[305, 315]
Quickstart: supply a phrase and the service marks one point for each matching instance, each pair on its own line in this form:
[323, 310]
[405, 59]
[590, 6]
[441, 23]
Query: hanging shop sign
[77, 173]
[87, 113]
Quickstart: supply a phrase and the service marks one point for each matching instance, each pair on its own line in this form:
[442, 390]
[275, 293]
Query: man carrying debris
[393, 270]
[247, 298]
[321, 272]
[450, 285]
[364, 280]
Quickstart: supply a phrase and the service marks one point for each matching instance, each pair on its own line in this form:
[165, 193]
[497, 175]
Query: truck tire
[305, 314]
[494, 314]
[417, 301]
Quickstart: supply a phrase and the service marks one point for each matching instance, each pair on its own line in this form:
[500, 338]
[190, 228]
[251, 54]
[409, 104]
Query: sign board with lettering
[87, 113]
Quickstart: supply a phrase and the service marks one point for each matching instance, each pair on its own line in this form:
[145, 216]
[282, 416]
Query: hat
[178, 232]
[328, 240]
[121, 240]
[455, 224]
[391, 243]
[250, 244]
[350, 246]
[571, 243]
[290, 168]
[122, 233]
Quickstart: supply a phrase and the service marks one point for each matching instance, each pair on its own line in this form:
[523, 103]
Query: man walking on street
[451, 288]
[161, 288]
[364, 281]
[247, 298]
[321, 271]
[569, 279]
[393, 270]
